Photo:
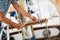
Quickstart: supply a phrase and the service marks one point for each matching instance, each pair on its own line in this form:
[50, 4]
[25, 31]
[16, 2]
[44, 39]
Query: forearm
[8, 21]
[21, 10]
[57, 3]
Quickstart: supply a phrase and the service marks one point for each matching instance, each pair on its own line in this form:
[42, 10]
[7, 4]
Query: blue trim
[13, 13]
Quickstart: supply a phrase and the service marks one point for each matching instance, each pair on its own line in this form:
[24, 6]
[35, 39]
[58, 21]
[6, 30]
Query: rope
[21, 2]
[40, 17]
[39, 10]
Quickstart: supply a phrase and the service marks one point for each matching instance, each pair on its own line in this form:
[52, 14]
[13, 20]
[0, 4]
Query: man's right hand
[18, 26]
[33, 18]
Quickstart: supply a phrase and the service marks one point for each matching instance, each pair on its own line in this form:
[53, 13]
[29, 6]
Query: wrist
[30, 16]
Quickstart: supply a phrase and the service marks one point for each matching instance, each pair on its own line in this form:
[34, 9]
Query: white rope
[39, 10]
[23, 21]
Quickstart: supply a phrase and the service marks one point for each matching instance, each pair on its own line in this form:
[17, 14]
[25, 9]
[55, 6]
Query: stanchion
[47, 31]
[8, 37]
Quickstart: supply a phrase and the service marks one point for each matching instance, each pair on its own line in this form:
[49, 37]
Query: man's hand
[33, 18]
[18, 26]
